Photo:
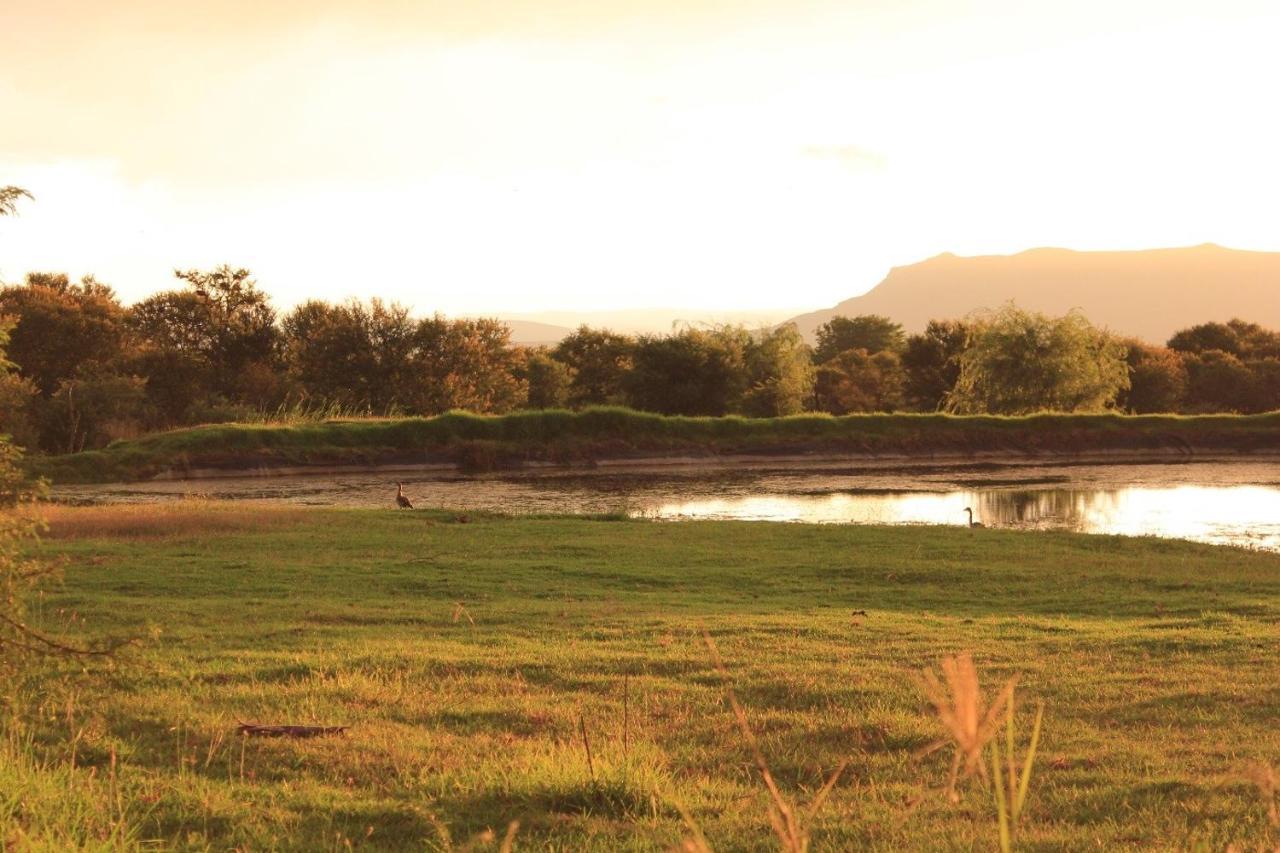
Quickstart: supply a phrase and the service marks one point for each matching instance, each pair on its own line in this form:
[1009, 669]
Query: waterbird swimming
[973, 523]
[401, 500]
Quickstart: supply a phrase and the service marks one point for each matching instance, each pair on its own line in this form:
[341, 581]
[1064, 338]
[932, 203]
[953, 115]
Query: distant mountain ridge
[1148, 293]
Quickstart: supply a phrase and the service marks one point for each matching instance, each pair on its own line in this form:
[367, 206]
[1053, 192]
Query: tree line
[89, 369]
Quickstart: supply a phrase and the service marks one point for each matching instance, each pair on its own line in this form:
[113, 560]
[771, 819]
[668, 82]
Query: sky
[477, 157]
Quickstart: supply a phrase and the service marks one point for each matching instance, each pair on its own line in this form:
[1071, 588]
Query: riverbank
[475, 443]
[476, 663]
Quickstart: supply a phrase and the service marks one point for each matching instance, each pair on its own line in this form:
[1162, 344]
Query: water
[1233, 503]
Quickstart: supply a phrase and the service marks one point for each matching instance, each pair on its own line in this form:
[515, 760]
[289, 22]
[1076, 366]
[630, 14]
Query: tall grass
[311, 437]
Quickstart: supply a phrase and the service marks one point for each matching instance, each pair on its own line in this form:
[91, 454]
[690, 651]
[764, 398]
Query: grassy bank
[469, 658]
[476, 442]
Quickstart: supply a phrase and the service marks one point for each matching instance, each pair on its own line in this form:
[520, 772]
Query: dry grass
[183, 518]
[960, 708]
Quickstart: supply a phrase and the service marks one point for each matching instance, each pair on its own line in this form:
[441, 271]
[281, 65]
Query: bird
[973, 523]
[401, 500]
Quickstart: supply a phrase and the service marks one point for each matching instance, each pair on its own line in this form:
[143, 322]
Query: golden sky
[494, 157]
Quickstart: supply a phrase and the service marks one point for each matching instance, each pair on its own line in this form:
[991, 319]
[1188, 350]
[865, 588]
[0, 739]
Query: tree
[932, 363]
[1218, 381]
[1021, 362]
[93, 409]
[1246, 341]
[780, 373]
[1157, 379]
[62, 328]
[356, 355]
[9, 197]
[690, 372]
[600, 360]
[465, 364]
[869, 332]
[549, 381]
[859, 381]
[217, 327]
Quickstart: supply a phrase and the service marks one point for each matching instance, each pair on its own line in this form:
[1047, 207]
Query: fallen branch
[289, 731]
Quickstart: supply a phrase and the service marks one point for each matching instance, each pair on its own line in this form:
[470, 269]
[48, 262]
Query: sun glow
[699, 155]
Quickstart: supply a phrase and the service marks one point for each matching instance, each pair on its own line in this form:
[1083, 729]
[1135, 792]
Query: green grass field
[468, 658]
[487, 442]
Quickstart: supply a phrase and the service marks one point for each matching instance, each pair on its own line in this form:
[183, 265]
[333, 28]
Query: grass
[482, 442]
[475, 662]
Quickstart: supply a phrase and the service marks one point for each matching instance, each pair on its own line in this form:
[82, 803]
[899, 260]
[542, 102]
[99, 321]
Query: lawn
[469, 655]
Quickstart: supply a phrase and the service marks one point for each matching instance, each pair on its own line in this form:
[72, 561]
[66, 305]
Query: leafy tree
[93, 409]
[1218, 381]
[780, 373]
[932, 363]
[217, 327]
[465, 364]
[1237, 337]
[62, 327]
[859, 381]
[1157, 379]
[1021, 362]
[357, 355]
[600, 360]
[869, 332]
[549, 381]
[690, 372]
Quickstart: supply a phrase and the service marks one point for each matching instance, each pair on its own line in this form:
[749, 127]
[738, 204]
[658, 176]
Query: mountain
[1149, 294]
[638, 321]
[531, 334]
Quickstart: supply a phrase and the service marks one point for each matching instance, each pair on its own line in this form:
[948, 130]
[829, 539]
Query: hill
[1150, 293]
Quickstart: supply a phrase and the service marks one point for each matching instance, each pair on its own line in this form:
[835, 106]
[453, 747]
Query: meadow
[474, 442]
[544, 683]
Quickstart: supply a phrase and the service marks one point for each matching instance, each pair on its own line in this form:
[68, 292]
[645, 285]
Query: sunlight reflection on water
[1226, 502]
[1237, 515]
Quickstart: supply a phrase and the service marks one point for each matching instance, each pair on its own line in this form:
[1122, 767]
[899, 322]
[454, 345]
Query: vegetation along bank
[492, 442]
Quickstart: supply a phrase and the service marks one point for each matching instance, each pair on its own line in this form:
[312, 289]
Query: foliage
[858, 381]
[869, 332]
[9, 197]
[1157, 379]
[780, 373]
[1236, 337]
[550, 381]
[932, 363]
[1021, 362]
[600, 361]
[63, 327]
[690, 372]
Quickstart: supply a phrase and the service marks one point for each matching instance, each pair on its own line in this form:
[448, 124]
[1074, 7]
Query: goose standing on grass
[401, 500]
[973, 523]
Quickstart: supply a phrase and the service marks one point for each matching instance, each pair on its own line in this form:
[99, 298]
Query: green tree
[62, 328]
[212, 331]
[690, 372]
[932, 363]
[779, 373]
[859, 381]
[869, 332]
[1021, 362]
[1219, 381]
[357, 355]
[600, 361]
[465, 364]
[1246, 341]
[549, 381]
[1157, 379]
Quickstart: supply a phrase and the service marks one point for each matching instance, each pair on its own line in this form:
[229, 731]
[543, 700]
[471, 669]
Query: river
[1220, 502]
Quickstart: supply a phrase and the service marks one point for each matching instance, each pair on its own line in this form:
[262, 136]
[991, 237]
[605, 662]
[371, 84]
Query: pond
[1222, 502]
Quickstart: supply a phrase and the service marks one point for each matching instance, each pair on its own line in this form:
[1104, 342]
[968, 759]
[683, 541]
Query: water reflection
[1220, 502]
[1237, 515]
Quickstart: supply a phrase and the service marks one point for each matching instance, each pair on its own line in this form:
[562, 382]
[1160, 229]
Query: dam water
[1222, 502]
